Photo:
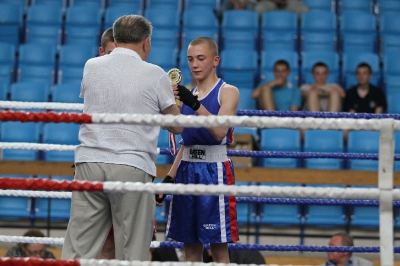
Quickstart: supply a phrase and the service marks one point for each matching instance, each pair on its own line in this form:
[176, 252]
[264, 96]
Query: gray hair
[132, 29]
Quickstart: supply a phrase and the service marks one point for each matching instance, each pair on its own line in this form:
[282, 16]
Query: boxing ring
[384, 196]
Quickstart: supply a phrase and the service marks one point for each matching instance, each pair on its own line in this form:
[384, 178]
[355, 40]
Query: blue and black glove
[188, 98]
[167, 179]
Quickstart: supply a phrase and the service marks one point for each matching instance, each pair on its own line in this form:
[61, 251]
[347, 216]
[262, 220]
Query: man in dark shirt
[364, 97]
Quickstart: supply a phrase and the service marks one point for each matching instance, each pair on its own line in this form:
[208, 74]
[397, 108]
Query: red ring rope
[37, 262]
[45, 117]
[49, 185]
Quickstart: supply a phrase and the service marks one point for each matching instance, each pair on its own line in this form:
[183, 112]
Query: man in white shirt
[121, 82]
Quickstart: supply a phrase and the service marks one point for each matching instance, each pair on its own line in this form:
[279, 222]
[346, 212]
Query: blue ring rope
[303, 248]
[298, 155]
[296, 201]
[304, 114]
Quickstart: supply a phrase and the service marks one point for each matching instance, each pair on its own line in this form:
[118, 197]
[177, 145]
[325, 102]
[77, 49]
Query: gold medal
[175, 75]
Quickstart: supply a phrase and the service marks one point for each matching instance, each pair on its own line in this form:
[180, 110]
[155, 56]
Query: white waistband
[204, 153]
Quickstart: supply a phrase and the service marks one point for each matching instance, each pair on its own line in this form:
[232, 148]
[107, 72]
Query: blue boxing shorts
[204, 219]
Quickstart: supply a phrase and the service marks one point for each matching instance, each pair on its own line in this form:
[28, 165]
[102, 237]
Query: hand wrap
[167, 179]
[188, 98]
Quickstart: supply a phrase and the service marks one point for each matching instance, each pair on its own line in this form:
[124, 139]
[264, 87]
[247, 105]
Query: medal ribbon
[172, 144]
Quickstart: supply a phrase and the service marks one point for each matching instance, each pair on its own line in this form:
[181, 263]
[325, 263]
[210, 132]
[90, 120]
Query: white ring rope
[36, 146]
[40, 146]
[244, 121]
[47, 240]
[35, 194]
[192, 189]
[251, 191]
[43, 105]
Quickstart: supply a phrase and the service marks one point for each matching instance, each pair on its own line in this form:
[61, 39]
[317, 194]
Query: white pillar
[385, 181]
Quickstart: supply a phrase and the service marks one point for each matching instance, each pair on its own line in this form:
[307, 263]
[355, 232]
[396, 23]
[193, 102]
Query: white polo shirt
[122, 82]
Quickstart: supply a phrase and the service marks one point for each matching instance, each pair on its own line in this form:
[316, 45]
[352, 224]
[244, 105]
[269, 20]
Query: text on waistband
[197, 154]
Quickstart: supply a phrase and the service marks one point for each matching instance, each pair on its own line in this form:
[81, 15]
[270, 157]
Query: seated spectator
[278, 94]
[22, 250]
[344, 258]
[321, 96]
[289, 5]
[238, 4]
[364, 97]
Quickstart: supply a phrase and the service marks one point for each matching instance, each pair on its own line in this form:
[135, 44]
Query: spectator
[344, 258]
[23, 250]
[321, 96]
[364, 97]
[238, 4]
[278, 94]
[107, 42]
[289, 5]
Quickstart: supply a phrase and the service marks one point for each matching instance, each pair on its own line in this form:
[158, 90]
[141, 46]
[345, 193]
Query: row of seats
[84, 23]
[280, 215]
[278, 140]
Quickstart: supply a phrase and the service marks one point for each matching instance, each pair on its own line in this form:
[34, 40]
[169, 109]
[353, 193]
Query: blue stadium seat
[202, 4]
[44, 24]
[83, 25]
[319, 41]
[59, 208]
[390, 43]
[21, 3]
[365, 217]
[325, 216]
[352, 60]
[11, 22]
[280, 215]
[323, 141]
[244, 210]
[246, 102]
[88, 3]
[269, 58]
[392, 84]
[280, 140]
[164, 57]
[388, 6]
[239, 29]
[138, 4]
[272, 41]
[20, 132]
[393, 100]
[318, 21]
[391, 64]
[62, 133]
[114, 12]
[4, 90]
[279, 21]
[355, 5]
[36, 74]
[164, 4]
[166, 26]
[363, 142]
[67, 92]
[239, 67]
[163, 143]
[72, 59]
[30, 92]
[310, 58]
[15, 208]
[7, 62]
[389, 23]
[358, 31]
[318, 5]
[58, 3]
[34, 54]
